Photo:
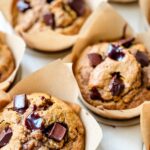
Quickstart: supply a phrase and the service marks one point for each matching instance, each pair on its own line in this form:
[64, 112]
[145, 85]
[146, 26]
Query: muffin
[62, 16]
[114, 75]
[7, 62]
[39, 121]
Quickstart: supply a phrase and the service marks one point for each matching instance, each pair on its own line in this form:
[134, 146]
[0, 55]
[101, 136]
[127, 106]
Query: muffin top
[62, 16]
[40, 122]
[7, 63]
[114, 75]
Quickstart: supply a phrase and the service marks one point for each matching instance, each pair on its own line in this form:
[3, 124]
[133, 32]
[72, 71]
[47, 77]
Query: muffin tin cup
[102, 28]
[48, 41]
[145, 124]
[56, 79]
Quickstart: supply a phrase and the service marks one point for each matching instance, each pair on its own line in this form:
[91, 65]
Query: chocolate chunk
[142, 58]
[95, 59]
[57, 132]
[49, 1]
[20, 103]
[116, 85]
[115, 52]
[49, 19]
[5, 136]
[126, 42]
[94, 94]
[34, 122]
[78, 6]
[23, 5]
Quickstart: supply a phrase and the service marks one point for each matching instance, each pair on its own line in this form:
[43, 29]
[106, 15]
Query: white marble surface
[118, 138]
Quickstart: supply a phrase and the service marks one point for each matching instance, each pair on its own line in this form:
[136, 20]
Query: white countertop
[115, 138]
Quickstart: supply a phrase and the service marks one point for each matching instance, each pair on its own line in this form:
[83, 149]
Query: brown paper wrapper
[145, 124]
[56, 79]
[102, 28]
[145, 8]
[17, 46]
[45, 40]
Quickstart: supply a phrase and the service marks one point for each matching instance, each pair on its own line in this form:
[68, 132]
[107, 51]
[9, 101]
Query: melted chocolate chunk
[142, 58]
[5, 136]
[115, 52]
[126, 42]
[34, 122]
[49, 19]
[49, 1]
[23, 5]
[95, 59]
[20, 103]
[116, 85]
[48, 103]
[94, 94]
[57, 131]
[78, 6]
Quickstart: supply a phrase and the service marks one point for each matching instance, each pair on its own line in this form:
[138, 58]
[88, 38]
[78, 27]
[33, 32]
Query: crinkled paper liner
[17, 46]
[103, 28]
[56, 79]
[145, 124]
[145, 8]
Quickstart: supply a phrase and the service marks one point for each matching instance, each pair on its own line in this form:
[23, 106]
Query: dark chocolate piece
[23, 5]
[20, 103]
[94, 94]
[49, 1]
[49, 19]
[5, 136]
[126, 42]
[115, 52]
[78, 6]
[116, 85]
[57, 132]
[34, 122]
[142, 58]
[95, 59]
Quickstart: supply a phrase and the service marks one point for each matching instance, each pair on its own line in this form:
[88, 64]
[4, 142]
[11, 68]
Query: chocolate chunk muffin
[38, 121]
[63, 16]
[115, 75]
[7, 63]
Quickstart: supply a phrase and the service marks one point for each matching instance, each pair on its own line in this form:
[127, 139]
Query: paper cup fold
[17, 46]
[145, 124]
[103, 28]
[145, 8]
[56, 79]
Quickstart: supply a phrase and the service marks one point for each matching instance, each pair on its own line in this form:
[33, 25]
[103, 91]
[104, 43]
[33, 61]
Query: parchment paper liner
[107, 25]
[145, 8]
[56, 79]
[46, 40]
[122, 1]
[145, 124]
[17, 46]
